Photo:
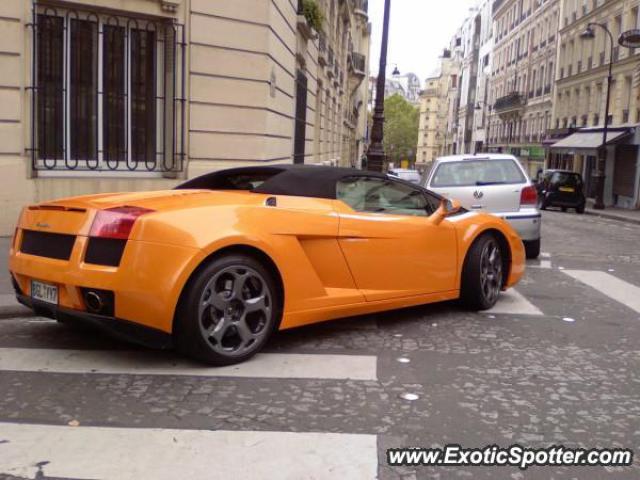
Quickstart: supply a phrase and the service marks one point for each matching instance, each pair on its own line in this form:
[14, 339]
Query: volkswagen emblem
[478, 194]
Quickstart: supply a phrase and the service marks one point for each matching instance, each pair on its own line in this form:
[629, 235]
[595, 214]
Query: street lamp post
[375, 154]
[589, 34]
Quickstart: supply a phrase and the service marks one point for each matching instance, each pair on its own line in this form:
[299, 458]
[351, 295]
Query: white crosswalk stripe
[609, 285]
[266, 365]
[98, 452]
[513, 302]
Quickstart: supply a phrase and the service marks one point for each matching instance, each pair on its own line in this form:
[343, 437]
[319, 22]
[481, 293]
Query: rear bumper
[122, 329]
[527, 222]
[558, 200]
[146, 284]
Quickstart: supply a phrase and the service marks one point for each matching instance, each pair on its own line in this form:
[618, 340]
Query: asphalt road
[556, 363]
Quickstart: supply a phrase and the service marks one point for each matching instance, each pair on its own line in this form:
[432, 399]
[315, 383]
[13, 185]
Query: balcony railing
[512, 101]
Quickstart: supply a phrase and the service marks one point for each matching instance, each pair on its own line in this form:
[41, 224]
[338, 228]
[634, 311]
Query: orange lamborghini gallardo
[218, 264]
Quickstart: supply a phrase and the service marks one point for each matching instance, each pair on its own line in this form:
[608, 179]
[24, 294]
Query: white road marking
[545, 264]
[545, 255]
[266, 365]
[619, 290]
[512, 302]
[100, 452]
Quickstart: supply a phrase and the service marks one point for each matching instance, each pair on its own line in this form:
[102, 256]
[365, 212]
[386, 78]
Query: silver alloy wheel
[235, 310]
[491, 271]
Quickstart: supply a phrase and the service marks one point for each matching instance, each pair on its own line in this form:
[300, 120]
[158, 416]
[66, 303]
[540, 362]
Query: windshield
[466, 173]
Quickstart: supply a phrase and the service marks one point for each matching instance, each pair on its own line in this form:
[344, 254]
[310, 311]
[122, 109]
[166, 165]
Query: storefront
[579, 152]
[555, 159]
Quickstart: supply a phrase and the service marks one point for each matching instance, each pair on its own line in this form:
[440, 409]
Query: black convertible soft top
[296, 180]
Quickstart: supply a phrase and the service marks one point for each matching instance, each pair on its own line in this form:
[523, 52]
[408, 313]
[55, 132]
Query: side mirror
[447, 207]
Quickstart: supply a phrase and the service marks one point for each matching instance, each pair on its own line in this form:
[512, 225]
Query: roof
[286, 179]
[310, 181]
[588, 140]
[477, 156]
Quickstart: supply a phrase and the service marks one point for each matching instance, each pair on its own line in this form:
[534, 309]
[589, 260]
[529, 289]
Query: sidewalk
[611, 213]
[9, 307]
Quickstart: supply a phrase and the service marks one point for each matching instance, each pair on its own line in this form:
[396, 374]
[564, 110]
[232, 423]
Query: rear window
[466, 173]
[232, 181]
[566, 178]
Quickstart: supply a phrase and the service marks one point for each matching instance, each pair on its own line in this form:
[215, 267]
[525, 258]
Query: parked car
[561, 188]
[412, 176]
[494, 183]
[217, 265]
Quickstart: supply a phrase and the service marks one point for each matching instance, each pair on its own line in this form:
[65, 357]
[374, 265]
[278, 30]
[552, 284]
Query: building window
[108, 93]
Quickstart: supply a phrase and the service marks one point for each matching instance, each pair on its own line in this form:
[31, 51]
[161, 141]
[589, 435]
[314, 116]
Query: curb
[612, 216]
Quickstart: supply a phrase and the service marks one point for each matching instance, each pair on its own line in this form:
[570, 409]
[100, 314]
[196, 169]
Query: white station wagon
[493, 183]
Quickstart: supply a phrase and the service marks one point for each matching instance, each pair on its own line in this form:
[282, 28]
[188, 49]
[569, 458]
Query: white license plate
[44, 292]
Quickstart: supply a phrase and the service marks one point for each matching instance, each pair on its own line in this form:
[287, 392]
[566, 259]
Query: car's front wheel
[228, 312]
[482, 274]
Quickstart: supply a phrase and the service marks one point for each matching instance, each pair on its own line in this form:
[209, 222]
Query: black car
[561, 188]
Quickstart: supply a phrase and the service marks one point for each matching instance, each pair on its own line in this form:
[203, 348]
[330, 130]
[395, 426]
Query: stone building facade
[120, 95]
[580, 95]
[482, 108]
[522, 79]
[434, 112]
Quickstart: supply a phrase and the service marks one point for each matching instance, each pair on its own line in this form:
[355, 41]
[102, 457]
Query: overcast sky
[418, 31]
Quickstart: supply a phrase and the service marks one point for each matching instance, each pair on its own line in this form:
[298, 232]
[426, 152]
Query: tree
[400, 129]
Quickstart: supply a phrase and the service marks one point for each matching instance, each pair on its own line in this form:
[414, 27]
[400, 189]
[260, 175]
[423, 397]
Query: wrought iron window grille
[107, 92]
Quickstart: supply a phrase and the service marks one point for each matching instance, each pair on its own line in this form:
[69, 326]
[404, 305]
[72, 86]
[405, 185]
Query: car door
[391, 247]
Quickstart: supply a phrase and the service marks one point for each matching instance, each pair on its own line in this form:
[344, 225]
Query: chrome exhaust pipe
[93, 301]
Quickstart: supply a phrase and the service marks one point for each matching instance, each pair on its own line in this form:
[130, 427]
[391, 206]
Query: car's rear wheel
[580, 209]
[228, 312]
[482, 274]
[532, 249]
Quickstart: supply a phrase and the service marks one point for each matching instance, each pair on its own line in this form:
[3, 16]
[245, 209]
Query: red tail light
[116, 222]
[529, 196]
